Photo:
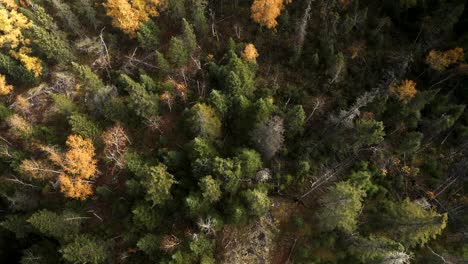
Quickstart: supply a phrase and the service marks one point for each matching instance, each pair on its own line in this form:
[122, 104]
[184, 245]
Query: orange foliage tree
[250, 53]
[405, 91]
[265, 12]
[129, 15]
[4, 87]
[10, 4]
[181, 90]
[441, 60]
[12, 23]
[77, 165]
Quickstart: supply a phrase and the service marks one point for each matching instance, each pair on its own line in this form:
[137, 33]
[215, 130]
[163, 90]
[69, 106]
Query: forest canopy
[233, 131]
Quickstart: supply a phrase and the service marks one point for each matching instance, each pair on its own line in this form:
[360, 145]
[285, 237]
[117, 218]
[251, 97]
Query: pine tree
[4, 87]
[379, 249]
[210, 189]
[201, 148]
[16, 224]
[144, 214]
[368, 132]
[233, 84]
[43, 252]
[177, 53]
[64, 12]
[177, 8]
[411, 142]
[86, 249]
[162, 63]
[86, 9]
[203, 121]
[188, 36]
[149, 244]
[82, 125]
[257, 201]
[411, 224]
[295, 121]
[199, 18]
[15, 71]
[218, 101]
[88, 78]
[143, 103]
[340, 207]
[245, 73]
[158, 182]
[60, 226]
[148, 36]
[229, 171]
[47, 39]
[250, 162]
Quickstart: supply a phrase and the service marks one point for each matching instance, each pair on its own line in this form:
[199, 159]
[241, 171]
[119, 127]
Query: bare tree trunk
[328, 175]
[438, 255]
[18, 181]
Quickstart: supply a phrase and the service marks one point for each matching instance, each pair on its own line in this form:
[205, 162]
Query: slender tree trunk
[302, 31]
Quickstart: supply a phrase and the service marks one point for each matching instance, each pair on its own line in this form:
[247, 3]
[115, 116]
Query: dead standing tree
[302, 29]
[327, 175]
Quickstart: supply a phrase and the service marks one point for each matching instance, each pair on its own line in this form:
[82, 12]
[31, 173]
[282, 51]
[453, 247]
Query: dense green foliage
[196, 131]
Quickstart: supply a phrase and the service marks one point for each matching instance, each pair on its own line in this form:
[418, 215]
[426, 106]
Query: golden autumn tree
[78, 166]
[441, 60]
[146, 8]
[4, 87]
[181, 90]
[129, 15]
[123, 16]
[405, 91]
[11, 25]
[31, 63]
[250, 53]
[10, 4]
[265, 12]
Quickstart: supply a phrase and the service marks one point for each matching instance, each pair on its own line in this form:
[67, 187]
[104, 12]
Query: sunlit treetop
[31, 63]
[129, 15]
[77, 165]
[11, 25]
[123, 15]
[439, 60]
[4, 87]
[265, 12]
[405, 91]
[79, 159]
[250, 53]
[10, 4]
[146, 8]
